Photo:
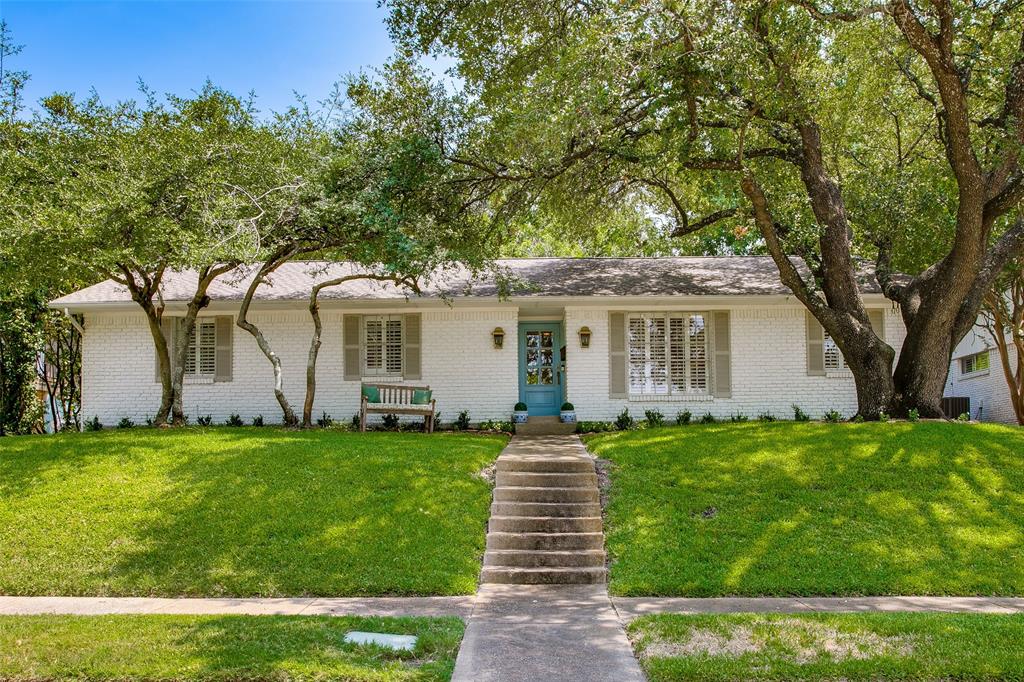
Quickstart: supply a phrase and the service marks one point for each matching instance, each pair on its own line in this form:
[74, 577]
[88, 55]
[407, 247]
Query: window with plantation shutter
[201, 356]
[667, 354]
[382, 345]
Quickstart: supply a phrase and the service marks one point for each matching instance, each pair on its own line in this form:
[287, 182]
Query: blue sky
[274, 48]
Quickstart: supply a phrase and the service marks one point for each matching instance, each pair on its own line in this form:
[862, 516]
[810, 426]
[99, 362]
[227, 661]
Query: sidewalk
[627, 608]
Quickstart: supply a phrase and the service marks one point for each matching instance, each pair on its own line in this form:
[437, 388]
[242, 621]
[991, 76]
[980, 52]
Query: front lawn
[243, 512]
[876, 646]
[816, 509]
[221, 648]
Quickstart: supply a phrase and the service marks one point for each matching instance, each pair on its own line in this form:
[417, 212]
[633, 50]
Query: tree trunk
[272, 263]
[199, 301]
[144, 287]
[314, 345]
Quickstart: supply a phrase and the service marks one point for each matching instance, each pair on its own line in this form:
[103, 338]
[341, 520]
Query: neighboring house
[719, 335]
[976, 373]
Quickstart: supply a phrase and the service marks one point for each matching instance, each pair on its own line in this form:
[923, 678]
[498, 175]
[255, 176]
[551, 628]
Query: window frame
[678, 359]
[973, 358]
[196, 346]
[382, 371]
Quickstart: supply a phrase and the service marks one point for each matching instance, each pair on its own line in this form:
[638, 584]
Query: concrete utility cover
[399, 642]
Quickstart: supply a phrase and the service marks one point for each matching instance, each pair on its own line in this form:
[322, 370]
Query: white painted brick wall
[989, 393]
[459, 363]
[769, 369]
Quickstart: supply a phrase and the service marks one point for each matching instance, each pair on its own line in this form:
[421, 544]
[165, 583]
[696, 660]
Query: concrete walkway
[523, 633]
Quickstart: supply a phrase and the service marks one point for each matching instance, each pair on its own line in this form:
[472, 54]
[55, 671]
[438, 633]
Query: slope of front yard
[847, 646]
[816, 509]
[222, 648]
[243, 512]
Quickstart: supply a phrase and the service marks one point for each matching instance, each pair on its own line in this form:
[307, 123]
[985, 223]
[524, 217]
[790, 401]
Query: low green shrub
[766, 417]
[93, 424]
[257, 420]
[684, 418]
[858, 419]
[739, 418]
[355, 421]
[234, 420]
[832, 417]
[708, 418]
[204, 421]
[913, 415]
[595, 427]
[462, 421]
[125, 423]
[883, 417]
[325, 420]
[625, 421]
[654, 418]
[391, 422]
[497, 425]
[799, 415]
[964, 417]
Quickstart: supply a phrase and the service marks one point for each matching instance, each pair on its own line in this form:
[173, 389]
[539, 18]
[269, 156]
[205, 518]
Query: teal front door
[540, 378]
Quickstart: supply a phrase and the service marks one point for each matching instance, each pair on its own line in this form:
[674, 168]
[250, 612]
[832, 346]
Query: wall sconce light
[499, 337]
[584, 337]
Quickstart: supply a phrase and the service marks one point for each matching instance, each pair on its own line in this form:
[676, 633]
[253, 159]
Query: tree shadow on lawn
[389, 514]
[752, 509]
[246, 512]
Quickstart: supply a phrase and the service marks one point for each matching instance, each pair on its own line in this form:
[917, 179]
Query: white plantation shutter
[224, 352]
[667, 353]
[382, 345]
[411, 364]
[722, 354]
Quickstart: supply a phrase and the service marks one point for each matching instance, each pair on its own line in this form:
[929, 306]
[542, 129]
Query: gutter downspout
[74, 322]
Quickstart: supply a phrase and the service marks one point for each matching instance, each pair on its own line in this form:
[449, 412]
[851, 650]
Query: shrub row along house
[719, 335]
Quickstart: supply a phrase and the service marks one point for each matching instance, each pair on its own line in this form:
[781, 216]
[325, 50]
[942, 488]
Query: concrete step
[584, 575]
[548, 509]
[554, 464]
[545, 426]
[538, 524]
[534, 479]
[534, 559]
[545, 541]
[545, 494]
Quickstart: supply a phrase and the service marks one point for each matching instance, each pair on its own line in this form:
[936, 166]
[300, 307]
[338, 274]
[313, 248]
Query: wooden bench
[396, 399]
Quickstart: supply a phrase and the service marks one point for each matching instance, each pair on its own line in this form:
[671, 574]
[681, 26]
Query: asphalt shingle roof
[535, 277]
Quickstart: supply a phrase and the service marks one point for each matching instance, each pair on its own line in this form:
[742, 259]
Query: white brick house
[976, 373]
[718, 335]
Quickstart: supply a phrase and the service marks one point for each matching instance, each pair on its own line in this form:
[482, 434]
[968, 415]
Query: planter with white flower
[520, 414]
[568, 413]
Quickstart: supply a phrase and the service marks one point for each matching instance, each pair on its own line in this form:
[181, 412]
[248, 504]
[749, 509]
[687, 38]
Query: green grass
[816, 509]
[877, 646]
[243, 512]
[221, 648]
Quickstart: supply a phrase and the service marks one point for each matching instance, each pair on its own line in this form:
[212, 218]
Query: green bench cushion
[421, 397]
[372, 394]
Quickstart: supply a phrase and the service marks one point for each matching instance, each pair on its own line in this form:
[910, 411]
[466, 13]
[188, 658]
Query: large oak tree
[840, 131]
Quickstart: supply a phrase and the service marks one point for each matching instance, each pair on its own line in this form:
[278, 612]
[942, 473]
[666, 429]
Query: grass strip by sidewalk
[876, 646]
[753, 509]
[243, 512]
[221, 648]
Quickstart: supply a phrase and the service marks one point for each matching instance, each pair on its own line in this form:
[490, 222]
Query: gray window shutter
[169, 327]
[223, 356]
[723, 354]
[815, 346]
[877, 318]
[351, 347]
[617, 355]
[411, 368]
